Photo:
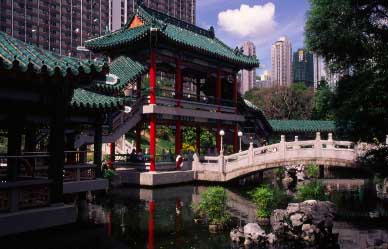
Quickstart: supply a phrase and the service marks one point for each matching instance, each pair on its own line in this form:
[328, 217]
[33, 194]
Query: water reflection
[163, 218]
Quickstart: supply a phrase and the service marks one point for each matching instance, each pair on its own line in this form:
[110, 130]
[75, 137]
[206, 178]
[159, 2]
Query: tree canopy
[352, 36]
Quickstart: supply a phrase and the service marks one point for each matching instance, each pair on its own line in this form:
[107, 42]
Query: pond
[163, 218]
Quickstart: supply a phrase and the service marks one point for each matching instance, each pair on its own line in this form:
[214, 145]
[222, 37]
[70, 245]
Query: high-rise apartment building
[56, 25]
[303, 67]
[248, 78]
[121, 10]
[281, 60]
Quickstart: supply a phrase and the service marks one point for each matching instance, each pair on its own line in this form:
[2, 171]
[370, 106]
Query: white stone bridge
[328, 153]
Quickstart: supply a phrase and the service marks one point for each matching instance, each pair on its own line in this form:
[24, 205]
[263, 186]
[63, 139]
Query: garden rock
[254, 233]
[237, 234]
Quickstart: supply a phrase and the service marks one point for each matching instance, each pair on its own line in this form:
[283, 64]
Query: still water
[163, 218]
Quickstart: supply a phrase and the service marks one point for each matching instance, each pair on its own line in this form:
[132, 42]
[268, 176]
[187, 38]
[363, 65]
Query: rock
[271, 238]
[287, 181]
[254, 232]
[296, 219]
[236, 235]
[277, 221]
[292, 208]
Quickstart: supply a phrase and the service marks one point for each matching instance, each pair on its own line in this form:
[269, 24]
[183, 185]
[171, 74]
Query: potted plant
[213, 208]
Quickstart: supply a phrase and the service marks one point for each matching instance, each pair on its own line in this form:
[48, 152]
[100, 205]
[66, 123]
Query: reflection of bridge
[320, 152]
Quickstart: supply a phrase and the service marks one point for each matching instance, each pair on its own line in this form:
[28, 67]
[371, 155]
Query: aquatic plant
[312, 171]
[313, 190]
[213, 206]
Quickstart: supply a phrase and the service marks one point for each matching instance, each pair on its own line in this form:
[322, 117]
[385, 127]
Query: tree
[323, 101]
[295, 102]
[352, 36]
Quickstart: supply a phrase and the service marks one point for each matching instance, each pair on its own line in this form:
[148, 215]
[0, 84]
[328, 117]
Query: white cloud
[248, 21]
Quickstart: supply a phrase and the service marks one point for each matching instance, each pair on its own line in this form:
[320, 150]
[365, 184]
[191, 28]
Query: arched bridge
[320, 152]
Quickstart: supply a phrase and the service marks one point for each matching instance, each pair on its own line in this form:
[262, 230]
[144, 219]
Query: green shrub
[280, 172]
[313, 190]
[109, 174]
[213, 206]
[268, 199]
[312, 171]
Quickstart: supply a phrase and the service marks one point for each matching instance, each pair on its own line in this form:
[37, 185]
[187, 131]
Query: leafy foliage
[213, 206]
[376, 160]
[352, 36]
[323, 101]
[313, 190]
[312, 171]
[109, 174]
[267, 199]
[295, 102]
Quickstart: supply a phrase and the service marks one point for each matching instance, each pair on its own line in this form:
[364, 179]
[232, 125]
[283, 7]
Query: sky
[259, 21]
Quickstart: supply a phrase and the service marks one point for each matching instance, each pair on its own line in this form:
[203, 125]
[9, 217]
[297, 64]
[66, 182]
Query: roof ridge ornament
[211, 31]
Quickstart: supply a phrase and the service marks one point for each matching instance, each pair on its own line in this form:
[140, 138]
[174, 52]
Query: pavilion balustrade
[28, 190]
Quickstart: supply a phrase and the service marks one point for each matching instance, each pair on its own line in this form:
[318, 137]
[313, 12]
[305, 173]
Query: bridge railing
[341, 151]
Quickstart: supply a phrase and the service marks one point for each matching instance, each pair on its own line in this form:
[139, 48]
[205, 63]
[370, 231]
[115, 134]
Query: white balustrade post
[318, 145]
[221, 163]
[250, 153]
[330, 142]
[282, 147]
[195, 162]
[296, 143]
[386, 139]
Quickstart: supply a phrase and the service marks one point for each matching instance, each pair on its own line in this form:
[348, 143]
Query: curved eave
[84, 100]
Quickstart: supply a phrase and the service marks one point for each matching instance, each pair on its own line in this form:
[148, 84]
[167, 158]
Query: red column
[109, 223]
[198, 139]
[152, 77]
[218, 89]
[235, 91]
[152, 141]
[112, 150]
[218, 138]
[178, 81]
[138, 137]
[235, 139]
[151, 225]
[178, 137]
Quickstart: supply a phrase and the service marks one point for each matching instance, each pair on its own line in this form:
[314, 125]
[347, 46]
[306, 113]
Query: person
[140, 155]
[132, 156]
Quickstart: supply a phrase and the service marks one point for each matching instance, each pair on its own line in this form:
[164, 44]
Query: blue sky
[260, 21]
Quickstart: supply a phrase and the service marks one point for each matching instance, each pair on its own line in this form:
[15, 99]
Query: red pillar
[198, 139]
[235, 91]
[152, 141]
[112, 150]
[109, 223]
[178, 81]
[218, 138]
[218, 89]
[151, 225]
[138, 137]
[152, 77]
[235, 139]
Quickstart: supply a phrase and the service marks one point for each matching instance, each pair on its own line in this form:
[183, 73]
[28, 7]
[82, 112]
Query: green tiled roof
[23, 56]
[85, 99]
[182, 33]
[251, 105]
[302, 125]
[126, 70]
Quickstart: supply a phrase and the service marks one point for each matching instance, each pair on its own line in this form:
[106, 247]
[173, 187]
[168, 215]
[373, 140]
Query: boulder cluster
[308, 223]
[293, 174]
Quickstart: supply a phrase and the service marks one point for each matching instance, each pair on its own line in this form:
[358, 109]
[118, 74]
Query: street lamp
[222, 133]
[240, 136]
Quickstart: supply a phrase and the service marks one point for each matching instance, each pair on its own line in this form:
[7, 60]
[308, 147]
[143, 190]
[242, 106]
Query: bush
[313, 190]
[312, 171]
[268, 199]
[280, 172]
[109, 174]
[213, 206]
[376, 160]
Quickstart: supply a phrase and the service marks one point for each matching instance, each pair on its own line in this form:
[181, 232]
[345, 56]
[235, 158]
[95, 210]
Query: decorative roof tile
[22, 56]
[177, 31]
[302, 125]
[85, 99]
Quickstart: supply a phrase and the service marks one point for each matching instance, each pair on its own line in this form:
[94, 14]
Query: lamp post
[240, 136]
[222, 133]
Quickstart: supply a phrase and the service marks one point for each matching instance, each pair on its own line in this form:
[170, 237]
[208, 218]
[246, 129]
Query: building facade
[281, 60]
[248, 78]
[303, 67]
[121, 10]
[59, 26]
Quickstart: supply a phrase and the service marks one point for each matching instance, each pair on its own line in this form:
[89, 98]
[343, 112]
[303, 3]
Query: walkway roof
[302, 125]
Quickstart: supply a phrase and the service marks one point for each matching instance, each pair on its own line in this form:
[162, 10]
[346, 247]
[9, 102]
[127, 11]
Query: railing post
[250, 153]
[296, 143]
[386, 139]
[221, 163]
[282, 147]
[318, 145]
[78, 174]
[330, 142]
